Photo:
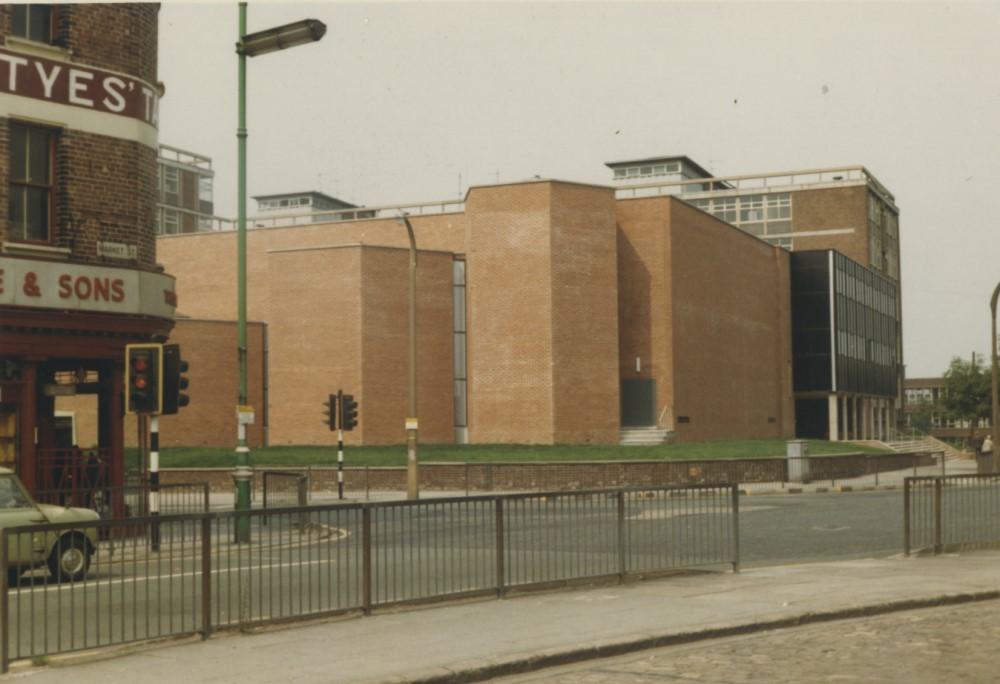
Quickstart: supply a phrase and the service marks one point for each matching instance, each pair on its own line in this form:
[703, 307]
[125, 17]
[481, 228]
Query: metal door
[638, 403]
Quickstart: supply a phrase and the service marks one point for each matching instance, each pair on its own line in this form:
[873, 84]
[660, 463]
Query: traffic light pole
[340, 464]
[154, 481]
[340, 446]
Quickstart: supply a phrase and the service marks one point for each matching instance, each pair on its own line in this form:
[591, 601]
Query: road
[928, 646]
[442, 548]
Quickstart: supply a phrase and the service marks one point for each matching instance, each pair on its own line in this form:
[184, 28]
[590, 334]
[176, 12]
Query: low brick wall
[478, 477]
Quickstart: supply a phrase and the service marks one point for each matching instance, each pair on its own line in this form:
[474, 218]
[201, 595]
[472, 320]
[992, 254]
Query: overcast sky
[416, 101]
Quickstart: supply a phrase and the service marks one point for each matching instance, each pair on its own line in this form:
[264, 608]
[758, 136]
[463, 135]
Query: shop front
[63, 331]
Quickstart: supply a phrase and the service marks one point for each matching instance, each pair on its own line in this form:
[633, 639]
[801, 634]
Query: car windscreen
[11, 494]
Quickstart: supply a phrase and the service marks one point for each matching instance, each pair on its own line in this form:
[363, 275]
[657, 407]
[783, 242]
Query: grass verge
[395, 455]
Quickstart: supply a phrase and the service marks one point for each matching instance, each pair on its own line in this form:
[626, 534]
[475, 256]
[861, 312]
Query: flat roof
[305, 193]
[663, 158]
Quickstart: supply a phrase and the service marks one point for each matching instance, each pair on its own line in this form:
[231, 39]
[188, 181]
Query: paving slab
[477, 640]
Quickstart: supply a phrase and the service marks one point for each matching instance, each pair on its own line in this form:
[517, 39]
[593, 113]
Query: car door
[16, 510]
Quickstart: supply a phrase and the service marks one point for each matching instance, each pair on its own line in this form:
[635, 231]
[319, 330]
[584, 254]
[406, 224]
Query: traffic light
[349, 412]
[174, 381]
[331, 411]
[143, 378]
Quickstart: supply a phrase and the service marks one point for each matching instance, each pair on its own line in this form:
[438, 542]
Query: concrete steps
[644, 436]
[926, 444]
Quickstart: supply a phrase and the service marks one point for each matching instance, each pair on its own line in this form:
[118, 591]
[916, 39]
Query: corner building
[78, 272]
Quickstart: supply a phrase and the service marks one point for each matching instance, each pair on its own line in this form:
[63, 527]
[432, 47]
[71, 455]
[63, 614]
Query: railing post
[501, 579]
[4, 606]
[735, 494]
[303, 502]
[207, 494]
[622, 570]
[206, 576]
[907, 490]
[366, 559]
[937, 516]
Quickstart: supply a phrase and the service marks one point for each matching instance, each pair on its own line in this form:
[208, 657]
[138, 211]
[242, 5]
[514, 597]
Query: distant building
[310, 203]
[559, 312]
[927, 395]
[185, 192]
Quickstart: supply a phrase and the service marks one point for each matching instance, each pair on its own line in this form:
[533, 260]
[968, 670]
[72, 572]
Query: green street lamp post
[252, 45]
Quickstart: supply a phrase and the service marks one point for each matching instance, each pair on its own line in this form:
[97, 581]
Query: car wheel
[70, 559]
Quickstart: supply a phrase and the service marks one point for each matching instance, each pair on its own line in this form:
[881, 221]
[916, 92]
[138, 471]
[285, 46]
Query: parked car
[66, 552]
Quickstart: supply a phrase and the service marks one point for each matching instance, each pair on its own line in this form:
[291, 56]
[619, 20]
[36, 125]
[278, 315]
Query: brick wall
[510, 352]
[85, 28]
[644, 290]
[205, 263]
[584, 315]
[339, 321]
[732, 331]
[107, 192]
[833, 208]
[105, 188]
[210, 419]
[487, 477]
[385, 346]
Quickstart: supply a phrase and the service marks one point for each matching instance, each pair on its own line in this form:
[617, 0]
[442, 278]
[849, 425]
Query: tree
[922, 416]
[967, 388]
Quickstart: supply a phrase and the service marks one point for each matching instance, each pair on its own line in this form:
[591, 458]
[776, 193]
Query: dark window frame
[50, 30]
[51, 186]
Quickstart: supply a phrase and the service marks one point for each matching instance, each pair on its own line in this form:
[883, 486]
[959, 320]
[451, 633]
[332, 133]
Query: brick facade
[86, 92]
[832, 209]
[704, 308]
[105, 187]
[570, 294]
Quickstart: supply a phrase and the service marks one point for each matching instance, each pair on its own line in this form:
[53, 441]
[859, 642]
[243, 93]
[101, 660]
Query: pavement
[476, 641]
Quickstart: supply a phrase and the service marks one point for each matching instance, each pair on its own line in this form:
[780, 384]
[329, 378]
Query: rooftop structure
[185, 192]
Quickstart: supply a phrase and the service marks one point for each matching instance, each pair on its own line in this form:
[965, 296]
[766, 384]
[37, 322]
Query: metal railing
[283, 488]
[208, 223]
[345, 558]
[131, 500]
[756, 182]
[950, 513]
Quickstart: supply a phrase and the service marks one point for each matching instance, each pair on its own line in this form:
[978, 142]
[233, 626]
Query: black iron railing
[323, 560]
[949, 513]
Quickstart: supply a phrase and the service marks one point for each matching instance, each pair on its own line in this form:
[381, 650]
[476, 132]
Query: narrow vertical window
[31, 183]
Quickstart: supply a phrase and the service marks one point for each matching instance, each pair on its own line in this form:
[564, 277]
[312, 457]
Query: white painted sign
[117, 250]
[53, 285]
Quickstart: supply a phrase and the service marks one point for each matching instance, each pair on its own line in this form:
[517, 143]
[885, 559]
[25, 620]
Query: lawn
[201, 457]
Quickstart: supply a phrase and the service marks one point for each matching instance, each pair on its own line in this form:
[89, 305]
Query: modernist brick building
[558, 312]
[78, 274]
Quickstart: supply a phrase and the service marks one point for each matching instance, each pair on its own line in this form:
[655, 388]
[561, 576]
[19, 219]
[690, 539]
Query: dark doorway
[638, 402]
[811, 420]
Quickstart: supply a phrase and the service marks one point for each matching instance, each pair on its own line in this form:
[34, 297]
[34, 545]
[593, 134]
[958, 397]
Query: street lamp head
[281, 37]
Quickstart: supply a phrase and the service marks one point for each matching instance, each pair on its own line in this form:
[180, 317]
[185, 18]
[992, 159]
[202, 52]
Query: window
[31, 183]
[170, 222]
[171, 186]
[33, 22]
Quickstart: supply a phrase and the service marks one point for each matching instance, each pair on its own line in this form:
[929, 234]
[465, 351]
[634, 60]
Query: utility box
[797, 455]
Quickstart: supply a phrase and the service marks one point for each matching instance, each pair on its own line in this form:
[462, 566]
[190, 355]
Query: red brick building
[548, 312]
[78, 272]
